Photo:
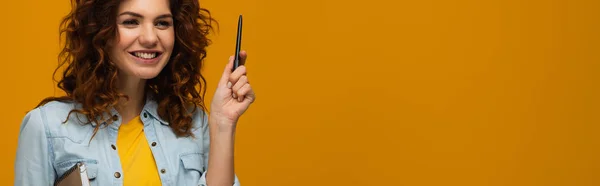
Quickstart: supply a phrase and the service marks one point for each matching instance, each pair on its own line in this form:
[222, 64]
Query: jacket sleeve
[206, 147]
[33, 164]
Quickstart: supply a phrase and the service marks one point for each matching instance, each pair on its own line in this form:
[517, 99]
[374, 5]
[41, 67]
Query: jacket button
[153, 144]
[163, 171]
[145, 115]
[115, 117]
[117, 175]
[113, 147]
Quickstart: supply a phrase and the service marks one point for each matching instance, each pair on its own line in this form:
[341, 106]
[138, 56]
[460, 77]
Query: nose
[148, 37]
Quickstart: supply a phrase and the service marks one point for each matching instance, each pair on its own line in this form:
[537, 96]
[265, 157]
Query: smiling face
[145, 38]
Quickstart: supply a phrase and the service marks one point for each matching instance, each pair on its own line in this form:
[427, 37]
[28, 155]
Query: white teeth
[145, 55]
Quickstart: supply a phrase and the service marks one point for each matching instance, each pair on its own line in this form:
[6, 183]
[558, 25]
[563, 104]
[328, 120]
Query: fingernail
[240, 99]
[228, 84]
[234, 96]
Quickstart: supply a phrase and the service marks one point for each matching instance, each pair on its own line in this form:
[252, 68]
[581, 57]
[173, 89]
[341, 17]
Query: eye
[163, 24]
[130, 22]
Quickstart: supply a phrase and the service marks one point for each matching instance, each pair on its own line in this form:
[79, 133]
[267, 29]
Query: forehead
[145, 7]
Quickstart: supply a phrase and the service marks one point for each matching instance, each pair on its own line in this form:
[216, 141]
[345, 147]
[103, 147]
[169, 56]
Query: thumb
[227, 72]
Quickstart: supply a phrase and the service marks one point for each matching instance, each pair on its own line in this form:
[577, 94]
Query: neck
[134, 88]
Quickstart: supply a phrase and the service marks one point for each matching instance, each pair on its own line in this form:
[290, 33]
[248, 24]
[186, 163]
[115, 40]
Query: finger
[235, 76]
[250, 97]
[239, 84]
[243, 57]
[226, 72]
[245, 92]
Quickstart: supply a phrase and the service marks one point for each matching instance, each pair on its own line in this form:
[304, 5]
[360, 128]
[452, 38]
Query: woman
[133, 112]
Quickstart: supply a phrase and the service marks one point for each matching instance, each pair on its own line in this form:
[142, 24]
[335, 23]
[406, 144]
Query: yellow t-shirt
[137, 160]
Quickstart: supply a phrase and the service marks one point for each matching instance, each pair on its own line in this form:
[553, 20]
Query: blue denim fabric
[48, 147]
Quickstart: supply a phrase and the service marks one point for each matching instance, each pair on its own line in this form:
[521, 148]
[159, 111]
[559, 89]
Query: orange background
[499, 92]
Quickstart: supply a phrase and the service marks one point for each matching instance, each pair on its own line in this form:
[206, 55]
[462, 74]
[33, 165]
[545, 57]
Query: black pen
[238, 44]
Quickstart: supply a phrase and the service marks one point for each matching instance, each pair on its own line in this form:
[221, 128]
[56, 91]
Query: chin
[148, 77]
[147, 74]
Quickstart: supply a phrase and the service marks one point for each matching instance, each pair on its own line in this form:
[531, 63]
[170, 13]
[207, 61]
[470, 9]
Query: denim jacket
[48, 147]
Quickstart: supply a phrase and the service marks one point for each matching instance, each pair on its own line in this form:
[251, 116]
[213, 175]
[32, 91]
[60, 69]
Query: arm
[232, 98]
[220, 166]
[33, 165]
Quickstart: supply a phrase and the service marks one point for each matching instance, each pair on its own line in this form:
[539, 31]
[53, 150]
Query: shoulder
[36, 122]
[49, 111]
[33, 123]
[199, 118]
[56, 120]
[200, 123]
[56, 112]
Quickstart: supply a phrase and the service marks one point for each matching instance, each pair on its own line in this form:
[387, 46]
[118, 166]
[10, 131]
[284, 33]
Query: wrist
[221, 124]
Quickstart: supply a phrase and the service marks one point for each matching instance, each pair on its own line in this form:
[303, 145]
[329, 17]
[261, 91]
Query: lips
[146, 56]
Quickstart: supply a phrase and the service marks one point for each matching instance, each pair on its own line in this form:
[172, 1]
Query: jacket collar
[150, 107]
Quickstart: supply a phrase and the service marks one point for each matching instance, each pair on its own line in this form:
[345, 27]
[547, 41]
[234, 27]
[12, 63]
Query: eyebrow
[140, 16]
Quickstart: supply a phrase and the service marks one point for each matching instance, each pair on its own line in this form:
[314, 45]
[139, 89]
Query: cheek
[126, 38]
[167, 39]
[119, 46]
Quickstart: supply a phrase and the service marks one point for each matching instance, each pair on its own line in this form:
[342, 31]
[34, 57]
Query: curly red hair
[90, 78]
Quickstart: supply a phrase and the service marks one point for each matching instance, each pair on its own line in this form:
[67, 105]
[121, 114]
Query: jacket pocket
[191, 169]
[193, 161]
[90, 164]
